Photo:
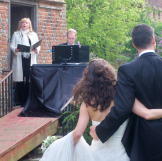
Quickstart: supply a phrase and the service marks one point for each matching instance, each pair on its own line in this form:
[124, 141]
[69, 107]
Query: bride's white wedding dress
[64, 150]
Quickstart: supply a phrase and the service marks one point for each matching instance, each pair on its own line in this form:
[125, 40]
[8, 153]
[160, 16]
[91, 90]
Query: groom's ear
[134, 45]
[154, 41]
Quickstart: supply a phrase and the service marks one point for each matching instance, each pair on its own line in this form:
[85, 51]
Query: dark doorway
[21, 11]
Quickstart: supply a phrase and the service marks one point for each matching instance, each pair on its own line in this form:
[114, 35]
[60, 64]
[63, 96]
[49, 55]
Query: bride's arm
[81, 124]
[148, 114]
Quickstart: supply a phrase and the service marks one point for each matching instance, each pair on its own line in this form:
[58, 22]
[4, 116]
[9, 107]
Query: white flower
[47, 142]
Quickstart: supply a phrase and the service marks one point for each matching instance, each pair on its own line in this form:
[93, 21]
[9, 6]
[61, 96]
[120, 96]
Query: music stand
[64, 53]
[70, 54]
[83, 54]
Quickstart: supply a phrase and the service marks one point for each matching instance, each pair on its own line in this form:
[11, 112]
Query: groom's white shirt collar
[146, 51]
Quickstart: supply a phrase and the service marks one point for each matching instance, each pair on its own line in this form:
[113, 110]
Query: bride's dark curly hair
[97, 86]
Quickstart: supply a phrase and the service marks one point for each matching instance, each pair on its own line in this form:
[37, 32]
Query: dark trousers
[21, 89]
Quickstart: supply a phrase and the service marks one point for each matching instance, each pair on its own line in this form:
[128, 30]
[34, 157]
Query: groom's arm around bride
[139, 79]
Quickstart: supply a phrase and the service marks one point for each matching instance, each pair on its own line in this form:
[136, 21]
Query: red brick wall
[156, 3]
[157, 12]
[52, 28]
[3, 35]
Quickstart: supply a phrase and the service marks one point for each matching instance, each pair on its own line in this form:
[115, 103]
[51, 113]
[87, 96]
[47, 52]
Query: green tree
[105, 25]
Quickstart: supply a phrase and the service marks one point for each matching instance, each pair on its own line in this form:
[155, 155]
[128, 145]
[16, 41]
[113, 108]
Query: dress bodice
[119, 133]
[112, 146]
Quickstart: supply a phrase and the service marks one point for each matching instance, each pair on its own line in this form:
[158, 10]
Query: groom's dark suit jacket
[141, 79]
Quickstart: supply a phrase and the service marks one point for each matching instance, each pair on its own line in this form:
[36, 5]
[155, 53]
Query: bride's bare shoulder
[97, 115]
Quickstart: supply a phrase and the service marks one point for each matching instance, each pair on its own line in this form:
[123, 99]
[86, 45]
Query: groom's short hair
[142, 36]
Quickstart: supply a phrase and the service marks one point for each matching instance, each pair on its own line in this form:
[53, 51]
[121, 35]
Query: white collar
[24, 31]
[146, 51]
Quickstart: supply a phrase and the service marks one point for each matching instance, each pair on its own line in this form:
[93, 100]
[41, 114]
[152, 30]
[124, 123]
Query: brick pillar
[52, 28]
[4, 24]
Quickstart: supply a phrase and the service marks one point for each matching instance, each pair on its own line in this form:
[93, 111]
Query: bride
[95, 92]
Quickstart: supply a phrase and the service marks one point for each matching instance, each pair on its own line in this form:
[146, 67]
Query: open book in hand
[24, 48]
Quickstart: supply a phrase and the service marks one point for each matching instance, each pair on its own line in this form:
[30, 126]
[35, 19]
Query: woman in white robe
[21, 61]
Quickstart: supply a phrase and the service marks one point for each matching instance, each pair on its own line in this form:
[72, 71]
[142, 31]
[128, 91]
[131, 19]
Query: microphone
[50, 50]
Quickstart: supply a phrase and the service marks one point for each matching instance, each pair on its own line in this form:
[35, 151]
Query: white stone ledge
[53, 1]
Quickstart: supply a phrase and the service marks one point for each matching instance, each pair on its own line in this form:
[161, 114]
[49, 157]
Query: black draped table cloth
[51, 88]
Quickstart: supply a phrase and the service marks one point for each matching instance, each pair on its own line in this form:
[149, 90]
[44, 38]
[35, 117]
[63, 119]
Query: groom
[141, 79]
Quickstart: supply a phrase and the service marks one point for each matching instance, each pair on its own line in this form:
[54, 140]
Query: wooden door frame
[29, 3]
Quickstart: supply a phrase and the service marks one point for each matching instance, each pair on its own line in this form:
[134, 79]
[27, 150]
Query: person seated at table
[71, 37]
